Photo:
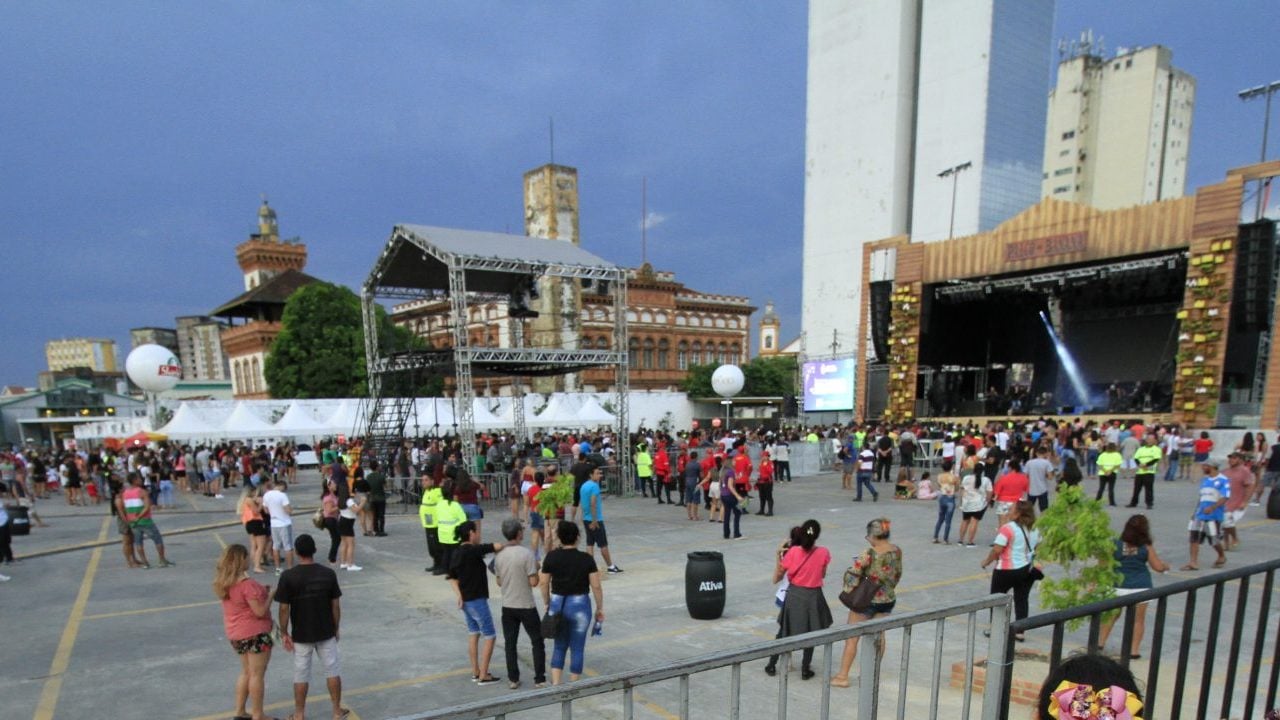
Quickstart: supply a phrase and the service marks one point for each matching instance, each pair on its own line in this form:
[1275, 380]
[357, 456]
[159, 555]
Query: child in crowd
[924, 489]
[905, 488]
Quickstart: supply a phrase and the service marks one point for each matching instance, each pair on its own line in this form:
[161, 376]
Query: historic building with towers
[669, 326]
[272, 272]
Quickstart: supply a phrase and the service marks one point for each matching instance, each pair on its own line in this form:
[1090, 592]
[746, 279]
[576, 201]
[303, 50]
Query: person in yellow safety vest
[427, 513]
[644, 470]
[449, 515]
[1147, 458]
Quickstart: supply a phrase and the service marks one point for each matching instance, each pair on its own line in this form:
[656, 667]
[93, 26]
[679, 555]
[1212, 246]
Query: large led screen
[828, 385]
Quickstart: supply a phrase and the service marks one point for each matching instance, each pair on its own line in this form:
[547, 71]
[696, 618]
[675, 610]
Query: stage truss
[466, 268]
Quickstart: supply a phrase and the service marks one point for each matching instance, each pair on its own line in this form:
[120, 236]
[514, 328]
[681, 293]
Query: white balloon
[727, 380]
[153, 368]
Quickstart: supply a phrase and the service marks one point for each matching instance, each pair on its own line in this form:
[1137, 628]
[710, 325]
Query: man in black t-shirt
[468, 575]
[308, 595]
[581, 471]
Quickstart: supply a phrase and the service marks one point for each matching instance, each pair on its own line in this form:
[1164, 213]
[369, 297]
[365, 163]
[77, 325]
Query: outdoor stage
[1065, 309]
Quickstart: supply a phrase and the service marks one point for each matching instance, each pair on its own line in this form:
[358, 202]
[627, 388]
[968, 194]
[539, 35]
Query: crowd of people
[1009, 469]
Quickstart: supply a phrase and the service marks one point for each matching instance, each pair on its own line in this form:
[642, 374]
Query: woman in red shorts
[246, 608]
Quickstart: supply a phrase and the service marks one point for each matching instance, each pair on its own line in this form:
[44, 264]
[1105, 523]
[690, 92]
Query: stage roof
[417, 258]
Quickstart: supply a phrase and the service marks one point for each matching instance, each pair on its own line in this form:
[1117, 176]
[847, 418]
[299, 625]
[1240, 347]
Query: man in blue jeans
[469, 577]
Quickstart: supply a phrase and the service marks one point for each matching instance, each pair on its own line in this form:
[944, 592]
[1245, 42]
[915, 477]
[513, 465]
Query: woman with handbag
[1014, 553]
[869, 590]
[804, 609]
[567, 574]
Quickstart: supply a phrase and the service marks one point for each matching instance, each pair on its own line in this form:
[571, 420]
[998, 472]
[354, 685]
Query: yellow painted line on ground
[638, 698]
[222, 543]
[184, 606]
[944, 583]
[346, 693]
[144, 611]
[62, 658]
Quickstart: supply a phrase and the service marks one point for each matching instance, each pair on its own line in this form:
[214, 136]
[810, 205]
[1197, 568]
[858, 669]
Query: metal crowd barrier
[1195, 630]
[751, 698]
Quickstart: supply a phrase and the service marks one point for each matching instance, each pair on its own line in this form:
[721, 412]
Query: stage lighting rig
[522, 296]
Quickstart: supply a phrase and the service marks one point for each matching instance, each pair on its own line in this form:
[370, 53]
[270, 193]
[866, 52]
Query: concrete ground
[83, 636]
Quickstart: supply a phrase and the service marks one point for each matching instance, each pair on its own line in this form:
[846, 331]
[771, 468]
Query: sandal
[839, 682]
[1219, 562]
[1189, 567]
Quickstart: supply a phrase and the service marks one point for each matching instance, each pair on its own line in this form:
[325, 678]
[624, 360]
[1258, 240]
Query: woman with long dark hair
[1013, 552]
[804, 563]
[329, 508]
[1136, 557]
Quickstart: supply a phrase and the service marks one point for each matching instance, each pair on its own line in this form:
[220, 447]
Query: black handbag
[860, 590]
[551, 622]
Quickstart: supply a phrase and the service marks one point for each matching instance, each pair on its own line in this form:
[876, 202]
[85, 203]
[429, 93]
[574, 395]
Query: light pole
[953, 172]
[1264, 91]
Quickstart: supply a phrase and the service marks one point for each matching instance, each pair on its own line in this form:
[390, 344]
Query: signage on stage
[1019, 250]
[828, 385]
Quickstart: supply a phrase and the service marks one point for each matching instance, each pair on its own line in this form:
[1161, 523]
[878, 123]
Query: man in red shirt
[1241, 479]
[742, 470]
[1009, 489]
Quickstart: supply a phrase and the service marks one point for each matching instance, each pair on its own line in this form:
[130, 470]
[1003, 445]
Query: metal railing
[750, 698]
[1194, 629]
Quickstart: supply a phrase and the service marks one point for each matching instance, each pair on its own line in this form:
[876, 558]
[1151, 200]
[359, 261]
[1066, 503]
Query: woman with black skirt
[804, 563]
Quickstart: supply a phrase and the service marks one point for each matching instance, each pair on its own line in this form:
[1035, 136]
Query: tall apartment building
[200, 348]
[1118, 130]
[97, 354]
[164, 337]
[898, 92]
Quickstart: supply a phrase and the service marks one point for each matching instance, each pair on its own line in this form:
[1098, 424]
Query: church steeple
[264, 255]
[769, 326]
[267, 227]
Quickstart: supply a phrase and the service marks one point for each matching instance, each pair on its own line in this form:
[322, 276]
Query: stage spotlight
[522, 295]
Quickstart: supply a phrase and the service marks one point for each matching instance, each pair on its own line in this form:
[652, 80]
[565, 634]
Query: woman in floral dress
[880, 563]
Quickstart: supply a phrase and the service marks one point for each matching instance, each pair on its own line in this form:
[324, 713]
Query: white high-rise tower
[898, 92]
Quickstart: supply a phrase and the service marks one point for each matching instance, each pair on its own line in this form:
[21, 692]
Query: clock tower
[551, 211]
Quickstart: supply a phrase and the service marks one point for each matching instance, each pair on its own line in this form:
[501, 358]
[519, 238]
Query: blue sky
[136, 138]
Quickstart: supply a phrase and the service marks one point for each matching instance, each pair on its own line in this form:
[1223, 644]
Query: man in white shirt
[780, 451]
[1002, 440]
[277, 504]
[1039, 472]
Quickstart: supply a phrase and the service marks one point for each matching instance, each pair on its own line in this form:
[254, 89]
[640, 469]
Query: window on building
[1068, 134]
[696, 358]
[239, 377]
[682, 356]
[256, 381]
[768, 342]
[720, 323]
[664, 352]
[646, 317]
[1065, 152]
[722, 357]
[660, 318]
[1063, 171]
[633, 353]
[681, 321]
[1061, 189]
[602, 343]
[648, 354]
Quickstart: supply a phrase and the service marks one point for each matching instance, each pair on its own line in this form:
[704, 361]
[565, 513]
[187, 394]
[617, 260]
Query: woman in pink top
[246, 607]
[804, 563]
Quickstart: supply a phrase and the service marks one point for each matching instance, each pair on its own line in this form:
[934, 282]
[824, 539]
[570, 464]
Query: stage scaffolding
[469, 267]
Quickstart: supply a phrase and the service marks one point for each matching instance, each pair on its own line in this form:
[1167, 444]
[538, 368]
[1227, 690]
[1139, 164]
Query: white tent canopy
[244, 423]
[188, 423]
[300, 421]
[433, 416]
[592, 414]
[344, 418]
[486, 420]
[559, 412]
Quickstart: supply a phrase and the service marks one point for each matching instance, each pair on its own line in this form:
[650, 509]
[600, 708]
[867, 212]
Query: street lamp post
[1263, 91]
[953, 172]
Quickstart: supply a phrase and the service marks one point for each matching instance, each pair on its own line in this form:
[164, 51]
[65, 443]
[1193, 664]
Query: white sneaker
[5, 578]
[342, 566]
[1255, 504]
[354, 568]
[217, 497]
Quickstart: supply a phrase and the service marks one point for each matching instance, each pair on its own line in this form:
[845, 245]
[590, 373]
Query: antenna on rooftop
[644, 221]
[551, 131]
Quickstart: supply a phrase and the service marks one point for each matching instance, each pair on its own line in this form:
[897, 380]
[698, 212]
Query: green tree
[761, 377]
[319, 352]
[770, 376]
[697, 383]
[1076, 535]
